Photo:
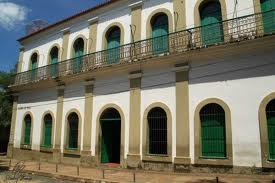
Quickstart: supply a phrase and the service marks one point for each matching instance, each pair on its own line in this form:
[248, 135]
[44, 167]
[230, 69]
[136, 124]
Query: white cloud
[11, 15]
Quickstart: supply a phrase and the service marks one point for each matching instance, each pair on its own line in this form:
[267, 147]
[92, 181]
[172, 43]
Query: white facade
[242, 82]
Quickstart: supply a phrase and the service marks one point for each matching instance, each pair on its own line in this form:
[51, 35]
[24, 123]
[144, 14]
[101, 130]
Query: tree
[5, 99]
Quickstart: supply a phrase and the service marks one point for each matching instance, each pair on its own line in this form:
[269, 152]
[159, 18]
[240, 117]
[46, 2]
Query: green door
[213, 138]
[47, 131]
[268, 15]
[27, 135]
[34, 65]
[78, 54]
[270, 113]
[113, 46]
[160, 34]
[110, 123]
[212, 28]
[54, 65]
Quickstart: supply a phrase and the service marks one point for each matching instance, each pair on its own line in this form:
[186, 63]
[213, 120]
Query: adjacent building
[153, 84]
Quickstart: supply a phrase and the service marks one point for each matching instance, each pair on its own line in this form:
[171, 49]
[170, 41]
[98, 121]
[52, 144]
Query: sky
[15, 14]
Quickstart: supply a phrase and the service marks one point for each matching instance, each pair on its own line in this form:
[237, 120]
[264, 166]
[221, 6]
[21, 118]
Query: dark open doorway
[110, 123]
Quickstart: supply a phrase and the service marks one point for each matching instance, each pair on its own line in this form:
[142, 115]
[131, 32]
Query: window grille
[27, 135]
[213, 132]
[73, 130]
[157, 127]
[270, 114]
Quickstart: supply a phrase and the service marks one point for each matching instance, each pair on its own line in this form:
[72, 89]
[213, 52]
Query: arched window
[211, 22]
[47, 140]
[268, 15]
[27, 129]
[78, 49]
[54, 61]
[72, 134]
[270, 115]
[157, 131]
[113, 37]
[160, 31]
[33, 66]
[213, 132]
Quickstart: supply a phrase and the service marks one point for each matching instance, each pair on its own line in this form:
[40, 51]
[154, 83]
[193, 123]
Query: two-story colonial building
[153, 84]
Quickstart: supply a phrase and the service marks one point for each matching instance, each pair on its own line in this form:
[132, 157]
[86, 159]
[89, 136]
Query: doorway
[110, 123]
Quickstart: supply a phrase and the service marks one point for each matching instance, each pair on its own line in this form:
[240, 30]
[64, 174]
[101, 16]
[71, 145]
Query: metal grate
[270, 115]
[73, 131]
[213, 132]
[157, 127]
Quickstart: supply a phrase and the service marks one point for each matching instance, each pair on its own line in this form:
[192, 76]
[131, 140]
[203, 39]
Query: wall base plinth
[86, 159]
[56, 155]
[133, 161]
[10, 151]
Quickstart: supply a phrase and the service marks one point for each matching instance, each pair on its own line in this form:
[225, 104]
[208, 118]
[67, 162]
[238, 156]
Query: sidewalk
[75, 174]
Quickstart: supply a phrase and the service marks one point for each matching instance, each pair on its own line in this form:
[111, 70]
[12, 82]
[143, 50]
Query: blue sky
[15, 14]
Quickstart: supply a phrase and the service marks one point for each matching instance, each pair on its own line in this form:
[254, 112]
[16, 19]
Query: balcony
[233, 30]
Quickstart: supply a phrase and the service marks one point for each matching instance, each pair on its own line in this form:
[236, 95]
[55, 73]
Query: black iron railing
[232, 30]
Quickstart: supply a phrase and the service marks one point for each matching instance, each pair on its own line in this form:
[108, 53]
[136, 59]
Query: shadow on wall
[236, 66]
[4, 138]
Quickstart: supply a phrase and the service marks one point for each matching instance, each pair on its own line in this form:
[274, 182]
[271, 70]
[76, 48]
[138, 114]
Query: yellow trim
[12, 128]
[85, 45]
[99, 133]
[136, 23]
[65, 45]
[92, 37]
[107, 29]
[197, 134]
[158, 11]
[23, 146]
[179, 15]
[20, 60]
[264, 131]
[42, 137]
[38, 57]
[157, 158]
[50, 50]
[66, 139]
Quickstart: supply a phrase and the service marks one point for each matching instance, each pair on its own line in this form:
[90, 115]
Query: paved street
[113, 175]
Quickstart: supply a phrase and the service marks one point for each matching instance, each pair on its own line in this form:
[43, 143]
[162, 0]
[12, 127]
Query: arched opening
[211, 23]
[53, 61]
[72, 134]
[157, 131]
[33, 66]
[78, 49]
[213, 131]
[268, 15]
[47, 131]
[113, 37]
[160, 31]
[270, 117]
[27, 130]
[110, 123]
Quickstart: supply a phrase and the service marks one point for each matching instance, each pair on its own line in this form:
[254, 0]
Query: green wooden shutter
[34, 65]
[212, 28]
[54, 65]
[79, 52]
[48, 132]
[113, 46]
[213, 137]
[270, 114]
[160, 32]
[27, 135]
[268, 15]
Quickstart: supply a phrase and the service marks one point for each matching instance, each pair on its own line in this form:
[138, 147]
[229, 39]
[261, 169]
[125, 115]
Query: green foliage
[5, 99]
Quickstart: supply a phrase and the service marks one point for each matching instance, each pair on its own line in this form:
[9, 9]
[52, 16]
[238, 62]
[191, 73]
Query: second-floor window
[160, 30]
[113, 43]
[212, 28]
[78, 52]
[268, 16]
[54, 61]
